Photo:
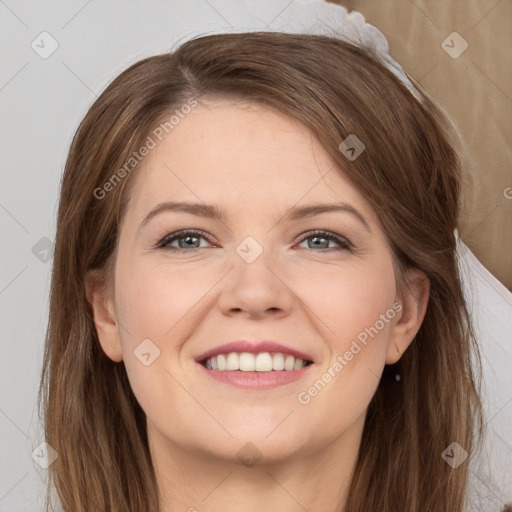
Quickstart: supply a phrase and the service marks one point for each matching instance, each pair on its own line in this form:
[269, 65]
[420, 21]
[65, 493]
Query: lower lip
[256, 380]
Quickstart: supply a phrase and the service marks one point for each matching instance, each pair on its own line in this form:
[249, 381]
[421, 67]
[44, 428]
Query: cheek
[343, 301]
[165, 302]
[348, 300]
[159, 303]
[155, 300]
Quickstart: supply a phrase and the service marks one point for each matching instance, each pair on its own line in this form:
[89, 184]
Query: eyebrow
[213, 212]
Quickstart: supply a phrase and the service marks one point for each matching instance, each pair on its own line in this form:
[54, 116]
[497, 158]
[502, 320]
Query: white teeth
[221, 361]
[232, 362]
[299, 363]
[278, 362]
[263, 362]
[288, 363]
[247, 362]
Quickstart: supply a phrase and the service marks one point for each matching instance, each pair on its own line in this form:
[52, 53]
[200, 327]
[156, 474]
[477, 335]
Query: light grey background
[42, 100]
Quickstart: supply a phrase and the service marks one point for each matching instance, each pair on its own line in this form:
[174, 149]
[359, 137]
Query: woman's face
[259, 273]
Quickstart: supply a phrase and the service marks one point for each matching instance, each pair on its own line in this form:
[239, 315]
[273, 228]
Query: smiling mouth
[260, 362]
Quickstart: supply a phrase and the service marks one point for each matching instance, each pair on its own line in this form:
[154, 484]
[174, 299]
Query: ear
[105, 321]
[414, 302]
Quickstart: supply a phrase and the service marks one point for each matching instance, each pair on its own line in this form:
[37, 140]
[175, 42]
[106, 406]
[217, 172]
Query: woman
[255, 299]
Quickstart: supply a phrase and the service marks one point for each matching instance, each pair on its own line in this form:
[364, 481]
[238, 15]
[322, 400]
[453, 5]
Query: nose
[257, 289]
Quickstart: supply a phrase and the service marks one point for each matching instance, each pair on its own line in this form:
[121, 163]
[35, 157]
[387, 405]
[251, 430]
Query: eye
[190, 239]
[321, 239]
[186, 239]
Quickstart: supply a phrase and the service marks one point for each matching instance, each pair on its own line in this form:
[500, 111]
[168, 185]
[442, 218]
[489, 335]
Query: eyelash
[345, 245]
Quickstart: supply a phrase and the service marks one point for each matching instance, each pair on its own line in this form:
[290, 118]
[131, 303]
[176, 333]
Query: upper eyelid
[184, 232]
[304, 236]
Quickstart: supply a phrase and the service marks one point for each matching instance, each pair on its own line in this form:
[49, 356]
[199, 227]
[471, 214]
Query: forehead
[240, 153]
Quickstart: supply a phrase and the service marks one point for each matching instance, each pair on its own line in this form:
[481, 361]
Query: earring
[397, 374]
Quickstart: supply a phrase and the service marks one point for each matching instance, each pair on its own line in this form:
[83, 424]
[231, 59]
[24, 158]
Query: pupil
[315, 239]
[187, 239]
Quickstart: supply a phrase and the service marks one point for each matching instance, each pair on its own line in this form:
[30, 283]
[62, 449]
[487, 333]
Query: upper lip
[253, 347]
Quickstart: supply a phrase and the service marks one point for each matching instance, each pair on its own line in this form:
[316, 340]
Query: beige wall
[475, 90]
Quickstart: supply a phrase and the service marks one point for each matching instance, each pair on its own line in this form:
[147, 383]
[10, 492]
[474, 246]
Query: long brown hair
[410, 173]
